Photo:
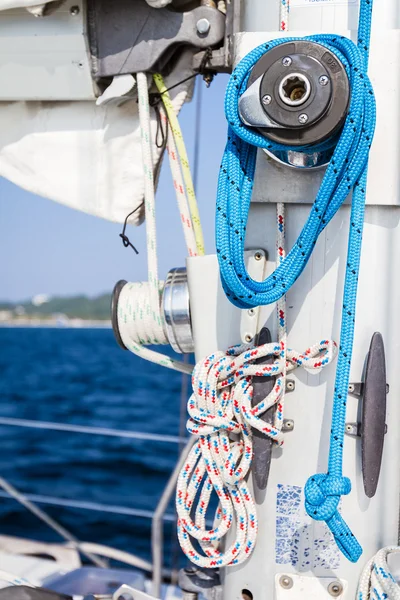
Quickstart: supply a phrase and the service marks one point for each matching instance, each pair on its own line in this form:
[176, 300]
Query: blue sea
[81, 376]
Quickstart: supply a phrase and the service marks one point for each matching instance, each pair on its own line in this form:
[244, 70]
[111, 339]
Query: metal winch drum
[297, 95]
[175, 308]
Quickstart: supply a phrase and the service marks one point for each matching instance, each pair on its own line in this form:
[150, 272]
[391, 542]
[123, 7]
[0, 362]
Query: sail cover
[83, 154]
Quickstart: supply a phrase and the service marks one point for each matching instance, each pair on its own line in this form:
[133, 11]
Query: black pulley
[297, 94]
[114, 311]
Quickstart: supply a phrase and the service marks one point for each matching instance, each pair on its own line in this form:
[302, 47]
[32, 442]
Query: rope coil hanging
[219, 406]
[346, 171]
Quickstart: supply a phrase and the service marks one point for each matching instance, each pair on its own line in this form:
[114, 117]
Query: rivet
[258, 256]
[290, 385]
[74, 10]
[248, 337]
[251, 312]
[286, 61]
[335, 588]
[286, 582]
[351, 388]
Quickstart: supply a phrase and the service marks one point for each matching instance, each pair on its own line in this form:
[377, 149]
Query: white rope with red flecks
[220, 406]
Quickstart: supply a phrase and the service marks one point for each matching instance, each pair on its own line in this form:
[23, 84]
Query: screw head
[335, 588]
[286, 582]
[323, 80]
[266, 99]
[74, 10]
[303, 118]
[203, 26]
[286, 61]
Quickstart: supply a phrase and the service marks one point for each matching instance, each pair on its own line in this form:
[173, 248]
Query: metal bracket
[127, 36]
[196, 580]
[220, 60]
[293, 586]
[125, 591]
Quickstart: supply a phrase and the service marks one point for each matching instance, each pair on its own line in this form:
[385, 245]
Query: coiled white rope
[376, 581]
[140, 318]
[219, 406]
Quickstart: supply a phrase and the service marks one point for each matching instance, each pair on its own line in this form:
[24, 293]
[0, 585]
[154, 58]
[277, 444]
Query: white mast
[289, 543]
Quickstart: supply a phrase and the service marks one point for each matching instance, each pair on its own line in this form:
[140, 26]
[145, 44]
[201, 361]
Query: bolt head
[323, 80]
[203, 26]
[266, 99]
[303, 118]
[286, 61]
[286, 582]
[335, 588]
[74, 11]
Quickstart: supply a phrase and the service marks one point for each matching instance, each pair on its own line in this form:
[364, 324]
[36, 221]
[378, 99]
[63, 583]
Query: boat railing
[158, 516]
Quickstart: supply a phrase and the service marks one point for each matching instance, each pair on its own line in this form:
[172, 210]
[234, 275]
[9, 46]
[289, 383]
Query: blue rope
[346, 171]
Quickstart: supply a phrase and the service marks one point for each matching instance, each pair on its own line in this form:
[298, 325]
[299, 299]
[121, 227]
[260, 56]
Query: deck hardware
[304, 92]
[203, 26]
[335, 588]
[286, 582]
[288, 425]
[262, 445]
[372, 429]
[290, 385]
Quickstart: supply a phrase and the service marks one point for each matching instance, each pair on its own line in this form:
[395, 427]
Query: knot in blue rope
[322, 496]
[322, 493]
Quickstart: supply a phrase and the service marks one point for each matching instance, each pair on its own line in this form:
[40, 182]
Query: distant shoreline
[71, 324]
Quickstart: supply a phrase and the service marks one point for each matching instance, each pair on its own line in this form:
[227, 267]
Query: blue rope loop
[346, 172]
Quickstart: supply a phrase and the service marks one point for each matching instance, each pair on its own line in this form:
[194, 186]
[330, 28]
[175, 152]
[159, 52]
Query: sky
[47, 248]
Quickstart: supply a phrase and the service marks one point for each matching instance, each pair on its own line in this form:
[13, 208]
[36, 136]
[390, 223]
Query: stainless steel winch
[175, 308]
[297, 95]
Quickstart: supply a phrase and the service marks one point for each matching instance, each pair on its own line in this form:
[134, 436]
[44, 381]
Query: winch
[297, 95]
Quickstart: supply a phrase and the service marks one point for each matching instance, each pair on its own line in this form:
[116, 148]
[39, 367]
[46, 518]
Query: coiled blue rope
[347, 171]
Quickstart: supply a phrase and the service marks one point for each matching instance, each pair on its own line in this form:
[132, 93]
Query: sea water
[81, 376]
